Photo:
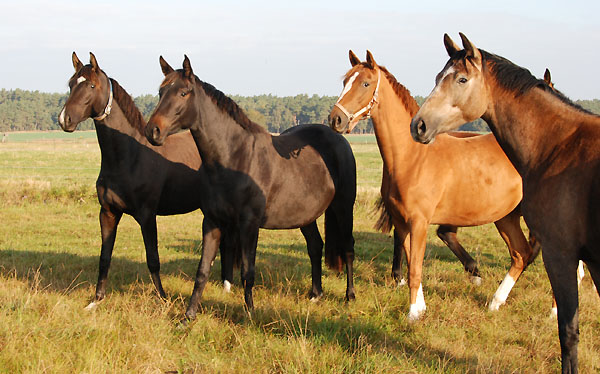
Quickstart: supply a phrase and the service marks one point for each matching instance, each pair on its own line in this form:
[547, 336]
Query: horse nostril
[421, 128]
[155, 133]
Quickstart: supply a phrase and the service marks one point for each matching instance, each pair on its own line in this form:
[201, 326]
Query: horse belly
[482, 200]
[296, 205]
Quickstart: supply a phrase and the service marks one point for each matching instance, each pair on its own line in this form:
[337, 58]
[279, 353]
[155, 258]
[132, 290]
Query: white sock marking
[502, 293]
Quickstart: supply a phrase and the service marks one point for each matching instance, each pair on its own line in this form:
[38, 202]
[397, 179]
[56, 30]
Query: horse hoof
[415, 312]
[495, 305]
[227, 286]
[92, 306]
[476, 280]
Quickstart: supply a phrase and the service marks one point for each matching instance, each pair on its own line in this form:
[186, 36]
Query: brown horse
[580, 271]
[554, 145]
[458, 181]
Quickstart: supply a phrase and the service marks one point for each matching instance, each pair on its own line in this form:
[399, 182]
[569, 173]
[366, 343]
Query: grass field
[49, 247]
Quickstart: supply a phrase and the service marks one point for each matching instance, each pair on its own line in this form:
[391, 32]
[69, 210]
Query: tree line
[22, 110]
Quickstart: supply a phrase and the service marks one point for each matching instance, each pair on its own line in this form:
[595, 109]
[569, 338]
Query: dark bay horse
[461, 180]
[554, 145]
[258, 180]
[135, 178]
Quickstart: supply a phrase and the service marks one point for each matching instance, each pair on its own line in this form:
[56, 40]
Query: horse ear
[353, 59]
[471, 50]
[370, 60]
[165, 67]
[451, 47]
[547, 77]
[76, 63]
[187, 68]
[94, 62]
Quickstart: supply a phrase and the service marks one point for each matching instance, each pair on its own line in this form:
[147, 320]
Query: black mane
[520, 80]
[230, 107]
[128, 107]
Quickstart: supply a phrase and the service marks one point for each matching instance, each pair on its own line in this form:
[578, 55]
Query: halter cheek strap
[355, 117]
[108, 108]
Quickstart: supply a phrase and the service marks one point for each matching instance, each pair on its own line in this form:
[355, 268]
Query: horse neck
[220, 140]
[530, 128]
[391, 122]
[115, 136]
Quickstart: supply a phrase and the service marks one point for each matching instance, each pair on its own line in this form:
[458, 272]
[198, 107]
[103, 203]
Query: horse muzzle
[419, 131]
[154, 134]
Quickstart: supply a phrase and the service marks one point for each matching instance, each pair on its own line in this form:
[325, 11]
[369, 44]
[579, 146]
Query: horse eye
[183, 94]
[366, 84]
[93, 86]
[462, 80]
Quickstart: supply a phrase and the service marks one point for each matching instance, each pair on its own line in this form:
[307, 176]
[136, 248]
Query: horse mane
[402, 92]
[128, 107]
[520, 80]
[226, 104]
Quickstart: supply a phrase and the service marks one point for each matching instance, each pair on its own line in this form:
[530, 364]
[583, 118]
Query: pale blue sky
[288, 48]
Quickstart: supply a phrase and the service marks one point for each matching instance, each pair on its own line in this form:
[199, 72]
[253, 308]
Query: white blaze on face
[348, 86]
[80, 79]
[61, 117]
[437, 86]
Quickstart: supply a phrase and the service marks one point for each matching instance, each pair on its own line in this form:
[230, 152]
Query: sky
[286, 48]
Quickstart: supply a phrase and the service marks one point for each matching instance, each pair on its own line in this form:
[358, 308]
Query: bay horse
[135, 177]
[256, 180]
[458, 181]
[554, 145]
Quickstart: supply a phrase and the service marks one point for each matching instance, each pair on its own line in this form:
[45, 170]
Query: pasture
[49, 247]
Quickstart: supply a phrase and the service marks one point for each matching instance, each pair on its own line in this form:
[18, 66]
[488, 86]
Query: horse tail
[334, 258]
[384, 222]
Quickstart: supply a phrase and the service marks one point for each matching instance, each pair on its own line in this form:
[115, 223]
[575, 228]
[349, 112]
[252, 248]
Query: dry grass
[49, 250]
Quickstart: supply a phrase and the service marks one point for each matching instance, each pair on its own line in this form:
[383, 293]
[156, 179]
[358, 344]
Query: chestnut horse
[135, 178]
[554, 145]
[258, 180]
[459, 181]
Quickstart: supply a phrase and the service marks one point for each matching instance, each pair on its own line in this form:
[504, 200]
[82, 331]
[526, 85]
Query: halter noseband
[367, 108]
[108, 108]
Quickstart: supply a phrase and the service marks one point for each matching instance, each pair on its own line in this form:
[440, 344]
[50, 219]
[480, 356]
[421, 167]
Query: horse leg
[211, 238]
[108, 228]
[397, 259]
[149, 233]
[345, 220]
[562, 272]
[594, 269]
[418, 242]
[509, 228]
[580, 275]
[227, 264]
[447, 234]
[400, 248]
[314, 244]
[249, 241]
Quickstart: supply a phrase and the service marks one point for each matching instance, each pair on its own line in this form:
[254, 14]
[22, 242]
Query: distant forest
[22, 110]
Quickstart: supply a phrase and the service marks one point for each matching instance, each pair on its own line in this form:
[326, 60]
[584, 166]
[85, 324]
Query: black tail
[384, 222]
[334, 258]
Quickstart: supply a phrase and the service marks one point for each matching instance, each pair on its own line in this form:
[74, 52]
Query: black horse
[135, 178]
[259, 180]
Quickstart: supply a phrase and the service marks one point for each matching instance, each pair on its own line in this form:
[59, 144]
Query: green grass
[49, 246]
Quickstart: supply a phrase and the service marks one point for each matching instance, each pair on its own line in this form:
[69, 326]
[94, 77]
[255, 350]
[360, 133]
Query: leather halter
[356, 116]
[108, 108]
